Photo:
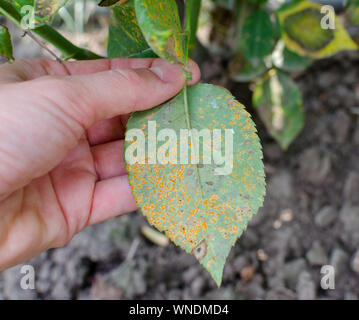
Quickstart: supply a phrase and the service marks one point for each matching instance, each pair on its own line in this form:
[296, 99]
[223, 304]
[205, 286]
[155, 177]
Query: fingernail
[168, 72]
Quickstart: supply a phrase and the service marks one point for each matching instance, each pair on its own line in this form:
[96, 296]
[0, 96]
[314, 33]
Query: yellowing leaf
[303, 33]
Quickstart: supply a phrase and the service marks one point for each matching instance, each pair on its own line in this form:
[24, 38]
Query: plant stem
[188, 32]
[67, 48]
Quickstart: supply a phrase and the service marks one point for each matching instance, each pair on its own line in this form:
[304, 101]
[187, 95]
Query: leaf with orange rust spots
[125, 36]
[160, 23]
[201, 188]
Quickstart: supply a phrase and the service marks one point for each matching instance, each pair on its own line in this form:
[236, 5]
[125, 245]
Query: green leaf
[302, 31]
[242, 70]
[5, 44]
[200, 209]
[257, 36]
[161, 26]
[278, 101]
[125, 36]
[43, 10]
[289, 61]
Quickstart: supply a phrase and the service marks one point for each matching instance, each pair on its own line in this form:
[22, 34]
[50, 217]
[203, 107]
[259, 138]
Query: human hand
[61, 145]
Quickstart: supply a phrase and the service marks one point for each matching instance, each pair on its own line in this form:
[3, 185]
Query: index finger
[23, 70]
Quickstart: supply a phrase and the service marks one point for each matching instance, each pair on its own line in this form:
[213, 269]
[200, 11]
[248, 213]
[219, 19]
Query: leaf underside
[200, 211]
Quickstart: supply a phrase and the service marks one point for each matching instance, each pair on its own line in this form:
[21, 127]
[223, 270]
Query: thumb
[39, 126]
[103, 95]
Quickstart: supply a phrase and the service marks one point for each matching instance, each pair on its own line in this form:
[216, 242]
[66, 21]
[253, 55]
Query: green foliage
[202, 212]
[5, 44]
[278, 101]
[289, 39]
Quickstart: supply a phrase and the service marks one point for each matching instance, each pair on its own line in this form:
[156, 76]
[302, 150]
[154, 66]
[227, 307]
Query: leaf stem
[188, 31]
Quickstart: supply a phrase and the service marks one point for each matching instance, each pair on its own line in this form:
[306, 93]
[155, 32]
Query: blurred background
[310, 216]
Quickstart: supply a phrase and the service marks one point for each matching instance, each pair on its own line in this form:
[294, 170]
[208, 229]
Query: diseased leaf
[202, 207]
[308, 19]
[125, 36]
[5, 45]
[278, 101]
[257, 37]
[161, 27]
[289, 61]
[302, 31]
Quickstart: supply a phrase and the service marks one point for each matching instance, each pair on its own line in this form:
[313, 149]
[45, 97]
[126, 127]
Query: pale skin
[61, 145]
